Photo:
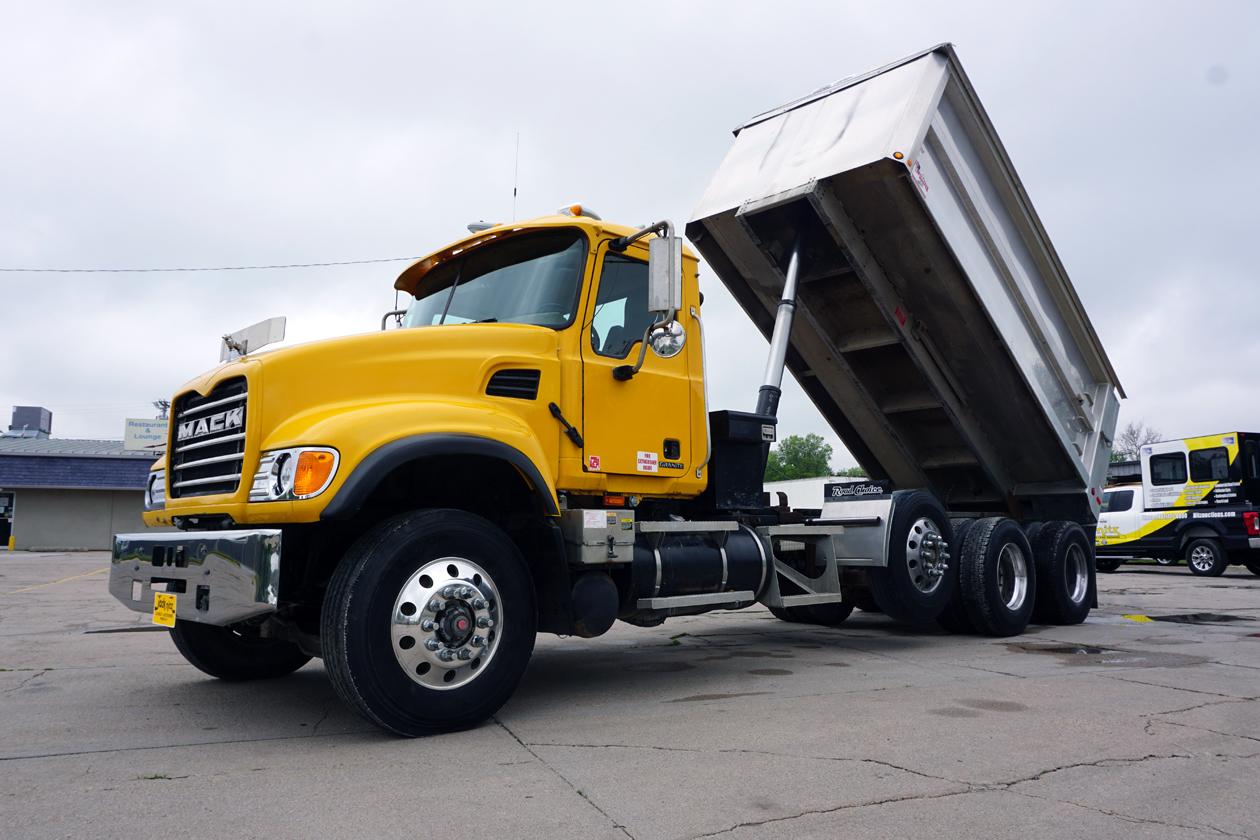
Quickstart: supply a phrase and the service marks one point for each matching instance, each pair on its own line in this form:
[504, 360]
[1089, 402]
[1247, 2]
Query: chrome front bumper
[218, 577]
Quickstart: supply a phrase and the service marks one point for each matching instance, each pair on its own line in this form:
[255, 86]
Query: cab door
[640, 427]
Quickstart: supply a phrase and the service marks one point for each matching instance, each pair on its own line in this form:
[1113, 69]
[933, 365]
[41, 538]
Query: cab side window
[1169, 468]
[1117, 501]
[1209, 464]
[621, 314]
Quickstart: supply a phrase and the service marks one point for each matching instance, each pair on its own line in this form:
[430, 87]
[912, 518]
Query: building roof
[70, 448]
[66, 463]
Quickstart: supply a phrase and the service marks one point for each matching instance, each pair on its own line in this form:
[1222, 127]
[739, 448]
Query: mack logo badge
[233, 418]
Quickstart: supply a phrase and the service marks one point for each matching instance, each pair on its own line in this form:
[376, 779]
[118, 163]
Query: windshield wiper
[485, 321]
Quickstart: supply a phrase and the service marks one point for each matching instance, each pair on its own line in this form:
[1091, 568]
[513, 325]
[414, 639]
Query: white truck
[1198, 501]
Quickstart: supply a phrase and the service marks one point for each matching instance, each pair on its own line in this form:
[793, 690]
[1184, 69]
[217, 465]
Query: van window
[1209, 464]
[1169, 468]
[1117, 501]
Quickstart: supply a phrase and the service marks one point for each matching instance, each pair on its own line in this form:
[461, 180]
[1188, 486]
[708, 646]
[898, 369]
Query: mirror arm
[662, 228]
[624, 373]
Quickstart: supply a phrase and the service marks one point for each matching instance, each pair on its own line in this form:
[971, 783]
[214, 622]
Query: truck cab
[1197, 502]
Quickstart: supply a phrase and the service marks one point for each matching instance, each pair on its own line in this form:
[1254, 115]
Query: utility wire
[208, 268]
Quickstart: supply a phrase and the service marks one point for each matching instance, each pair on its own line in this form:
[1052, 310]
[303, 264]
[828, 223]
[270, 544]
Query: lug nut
[434, 605]
[428, 625]
[485, 622]
[465, 654]
[467, 592]
[432, 644]
[479, 604]
[477, 641]
[450, 591]
[446, 655]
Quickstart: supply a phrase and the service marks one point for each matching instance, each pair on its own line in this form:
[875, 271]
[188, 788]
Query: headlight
[286, 474]
[155, 490]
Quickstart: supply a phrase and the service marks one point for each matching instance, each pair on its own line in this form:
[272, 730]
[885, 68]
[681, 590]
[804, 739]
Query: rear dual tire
[997, 579]
[1062, 553]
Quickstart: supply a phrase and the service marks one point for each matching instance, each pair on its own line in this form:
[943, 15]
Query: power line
[206, 268]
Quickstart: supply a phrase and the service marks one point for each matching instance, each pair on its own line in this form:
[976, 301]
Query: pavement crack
[1232, 697]
[743, 751]
[1120, 815]
[1102, 762]
[327, 711]
[814, 812]
[528, 748]
[25, 681]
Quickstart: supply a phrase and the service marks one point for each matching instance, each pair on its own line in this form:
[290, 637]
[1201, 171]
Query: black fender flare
[382, 461]
[1198, 529]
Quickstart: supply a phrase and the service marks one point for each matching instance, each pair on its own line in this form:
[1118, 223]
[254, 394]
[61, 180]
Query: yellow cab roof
[409, 280]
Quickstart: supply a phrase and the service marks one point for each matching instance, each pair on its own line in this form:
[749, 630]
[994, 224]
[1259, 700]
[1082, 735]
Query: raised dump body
[935, 329]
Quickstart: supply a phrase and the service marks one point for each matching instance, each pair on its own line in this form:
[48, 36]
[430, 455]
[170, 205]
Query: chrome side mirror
[667, 339]
[665, 273]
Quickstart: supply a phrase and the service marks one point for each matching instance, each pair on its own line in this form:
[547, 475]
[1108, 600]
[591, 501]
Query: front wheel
[1108, 564]
[1205, 558]
[236, 653]
[429, 622]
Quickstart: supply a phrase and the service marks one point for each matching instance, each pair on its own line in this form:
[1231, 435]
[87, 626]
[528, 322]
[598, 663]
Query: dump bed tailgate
[936, 329]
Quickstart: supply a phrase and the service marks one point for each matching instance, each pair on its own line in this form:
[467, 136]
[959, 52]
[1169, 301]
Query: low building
[65, 495]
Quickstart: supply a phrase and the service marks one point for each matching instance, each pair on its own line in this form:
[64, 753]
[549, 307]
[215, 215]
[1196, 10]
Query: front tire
[235, 654]
[429, 622]
[1108, 564]
[997, 577]
[1205, 558]
[917, 583]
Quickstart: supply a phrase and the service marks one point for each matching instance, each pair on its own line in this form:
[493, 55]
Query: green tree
[853, 472]
[799, 456]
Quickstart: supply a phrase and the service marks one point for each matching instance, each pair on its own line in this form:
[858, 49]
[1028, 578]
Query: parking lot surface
[728, 725]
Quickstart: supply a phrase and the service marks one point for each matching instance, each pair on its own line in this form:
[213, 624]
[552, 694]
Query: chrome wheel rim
[1202, 558]
[1076, 568]
[1012, 576]
[927, 555]
[446, 624]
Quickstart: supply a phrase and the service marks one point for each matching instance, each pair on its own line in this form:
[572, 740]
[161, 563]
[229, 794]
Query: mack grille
[208, 441]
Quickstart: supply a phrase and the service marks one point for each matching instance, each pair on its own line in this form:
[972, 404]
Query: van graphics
[856, 490]
[224, 421]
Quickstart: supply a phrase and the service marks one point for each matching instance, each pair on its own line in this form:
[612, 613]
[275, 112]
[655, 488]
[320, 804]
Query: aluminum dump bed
[936, 329]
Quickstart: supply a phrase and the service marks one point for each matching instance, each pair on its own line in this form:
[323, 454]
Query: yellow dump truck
[530, 448]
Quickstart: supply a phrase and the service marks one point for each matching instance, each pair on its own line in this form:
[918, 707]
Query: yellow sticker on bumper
[164, 608]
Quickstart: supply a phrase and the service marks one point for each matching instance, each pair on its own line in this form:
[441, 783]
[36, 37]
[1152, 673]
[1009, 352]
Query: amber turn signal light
[313, 470]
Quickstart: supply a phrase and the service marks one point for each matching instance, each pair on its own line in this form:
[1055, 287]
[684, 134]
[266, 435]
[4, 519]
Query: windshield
[527, 279]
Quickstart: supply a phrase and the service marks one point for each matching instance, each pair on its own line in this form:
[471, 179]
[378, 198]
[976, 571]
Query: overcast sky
[233, 133]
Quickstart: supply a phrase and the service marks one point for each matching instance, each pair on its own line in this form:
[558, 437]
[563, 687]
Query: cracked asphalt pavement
[730, 725]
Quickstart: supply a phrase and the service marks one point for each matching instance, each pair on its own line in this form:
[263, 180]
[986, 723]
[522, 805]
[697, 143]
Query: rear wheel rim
[1202, 558]
[447, 623]
[1012, 577]
[927, 555]
[1076, 570]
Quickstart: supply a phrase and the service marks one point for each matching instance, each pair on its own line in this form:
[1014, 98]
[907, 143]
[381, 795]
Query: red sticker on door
[592, 462]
